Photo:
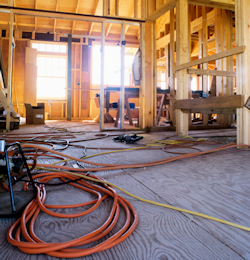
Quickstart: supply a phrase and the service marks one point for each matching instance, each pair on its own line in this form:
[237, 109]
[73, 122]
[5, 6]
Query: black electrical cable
[53, 184]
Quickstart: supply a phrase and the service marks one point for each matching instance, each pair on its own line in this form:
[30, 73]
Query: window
[112, 67]
[51, 70]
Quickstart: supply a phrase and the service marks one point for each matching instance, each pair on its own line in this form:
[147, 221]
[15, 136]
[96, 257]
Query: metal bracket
[247, 105]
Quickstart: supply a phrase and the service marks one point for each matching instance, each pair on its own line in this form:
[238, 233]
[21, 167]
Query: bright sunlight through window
[51, 71]
[112, 73]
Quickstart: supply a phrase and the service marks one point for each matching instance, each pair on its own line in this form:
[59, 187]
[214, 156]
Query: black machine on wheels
[12, 203]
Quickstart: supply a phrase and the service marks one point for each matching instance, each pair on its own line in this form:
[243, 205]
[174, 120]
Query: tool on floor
[9, 165]
[129, 139]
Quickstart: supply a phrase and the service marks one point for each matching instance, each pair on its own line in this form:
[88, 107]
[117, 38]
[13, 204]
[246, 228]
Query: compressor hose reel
[34, 245]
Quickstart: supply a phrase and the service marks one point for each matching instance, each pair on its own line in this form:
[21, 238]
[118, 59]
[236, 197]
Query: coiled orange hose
[34, 245]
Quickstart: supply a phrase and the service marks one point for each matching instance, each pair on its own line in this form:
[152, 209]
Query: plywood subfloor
[216, 185]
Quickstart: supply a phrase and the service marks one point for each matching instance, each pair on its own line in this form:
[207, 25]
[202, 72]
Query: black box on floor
[13, 125]
[35, 115]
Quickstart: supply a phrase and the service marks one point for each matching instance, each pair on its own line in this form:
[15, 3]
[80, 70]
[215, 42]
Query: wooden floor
[217, 185]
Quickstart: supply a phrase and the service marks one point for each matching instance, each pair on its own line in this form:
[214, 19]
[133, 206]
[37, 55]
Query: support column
[242, 10]
[147, 89]
[172, 69]
[228, 63]
[122, 89]
[69, 78]
[182, 57]
[205, 49]
[102, 76]
[10, 59]
[219, 48]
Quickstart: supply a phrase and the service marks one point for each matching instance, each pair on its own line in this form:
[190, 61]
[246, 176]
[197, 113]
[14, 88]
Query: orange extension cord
[34, 245]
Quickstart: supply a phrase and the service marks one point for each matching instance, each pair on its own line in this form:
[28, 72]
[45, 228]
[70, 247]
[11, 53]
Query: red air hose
[34, 245]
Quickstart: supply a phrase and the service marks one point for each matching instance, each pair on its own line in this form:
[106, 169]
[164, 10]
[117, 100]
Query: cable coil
[34, 245]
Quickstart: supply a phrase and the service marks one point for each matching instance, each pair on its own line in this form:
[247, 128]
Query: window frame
[53, 55]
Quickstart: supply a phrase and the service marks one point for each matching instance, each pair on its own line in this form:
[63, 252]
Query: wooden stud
[102, 77]
[218, 73]
[69, 78]
[143, 9]
[170, 4]
[122, 89]
[154, 73]
[213, 57]
[242, 10]
[151, 6]
[117, 7]
[172, 68]
[105, 7]
[135, 8]
[10, 60]
[205, 52]
[181, 57]
[221, 4]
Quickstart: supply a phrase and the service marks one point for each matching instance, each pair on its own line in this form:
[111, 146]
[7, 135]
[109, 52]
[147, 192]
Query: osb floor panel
[217, 185]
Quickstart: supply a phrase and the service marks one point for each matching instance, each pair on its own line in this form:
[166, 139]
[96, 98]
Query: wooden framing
[102, 77]
[218, 73]
[170, 4]
[122, 89]
[10, 60]
[181, 58]
[204, 52]
[172, 68]
[214, 57]
[242, 10]
[234, 101]
[69, 78]
[221, 4]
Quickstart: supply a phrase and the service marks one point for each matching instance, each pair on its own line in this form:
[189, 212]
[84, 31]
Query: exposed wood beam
[35, 17]
[182, 56]
[170, 4]
[234, 101]
[76, 11]
[95, 9]
[164, 19]
[212, 72]
[133, 14]
[54, 29]
[217, 56]
[196, 25]
[221, 4]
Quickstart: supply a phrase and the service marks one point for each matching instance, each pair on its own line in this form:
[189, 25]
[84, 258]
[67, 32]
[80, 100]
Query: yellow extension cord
[153, 202]
[153, 143]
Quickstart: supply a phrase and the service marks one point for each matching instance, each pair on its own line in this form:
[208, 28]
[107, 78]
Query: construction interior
[124, 129]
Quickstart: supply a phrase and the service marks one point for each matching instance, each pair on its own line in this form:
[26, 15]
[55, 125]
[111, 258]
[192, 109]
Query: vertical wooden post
[135, 8]
[172, 68]
[154, 73]
[151, 6]
[105, 7]
[143, 8]
[189, 59]
[146, 93]
[69, 78]
[228, 63]
[242, 10]
[200, 56]
[122, 90]
[218, 46]
[10, 59]
[205, 50]
[142, 83]
[102, 76]
[117, 9]
[182, 57]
